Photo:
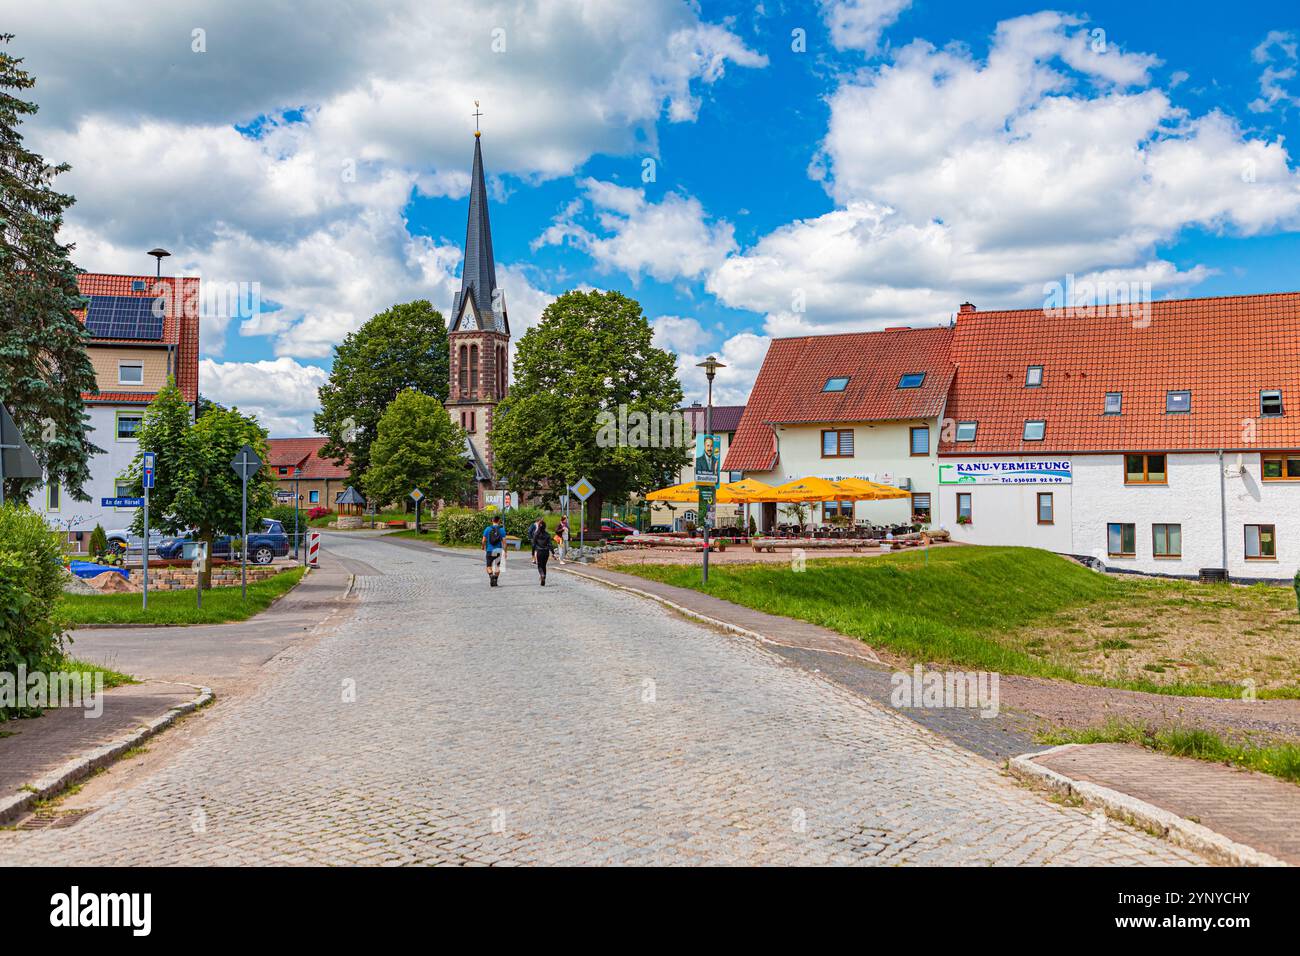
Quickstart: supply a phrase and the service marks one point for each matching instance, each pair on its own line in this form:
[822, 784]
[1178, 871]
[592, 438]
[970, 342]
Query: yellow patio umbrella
[859, 489]
[685, 493]
[744, 491]
[807, 489]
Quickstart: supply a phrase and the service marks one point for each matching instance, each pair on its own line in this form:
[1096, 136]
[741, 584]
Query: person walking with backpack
[494, 544]
[542, 546]
[532, 533]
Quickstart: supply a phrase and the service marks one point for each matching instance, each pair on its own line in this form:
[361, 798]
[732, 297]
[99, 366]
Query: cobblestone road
[573, 724]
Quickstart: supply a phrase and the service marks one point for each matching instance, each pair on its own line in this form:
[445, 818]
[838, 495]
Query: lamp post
[710, 366]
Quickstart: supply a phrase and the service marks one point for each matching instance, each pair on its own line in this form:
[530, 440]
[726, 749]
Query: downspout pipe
[1223, 517]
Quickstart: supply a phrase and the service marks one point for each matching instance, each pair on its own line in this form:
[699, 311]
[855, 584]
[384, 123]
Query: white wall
[881, 452]
[1006, 514]
[104, 470]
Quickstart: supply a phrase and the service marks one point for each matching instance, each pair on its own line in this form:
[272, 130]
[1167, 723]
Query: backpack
[495, 537]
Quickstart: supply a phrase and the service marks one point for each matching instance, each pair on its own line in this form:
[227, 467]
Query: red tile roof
[180, 322]
[304, 453]
[789, 386]
[119, 398]
[726, 418]
[1223, 350]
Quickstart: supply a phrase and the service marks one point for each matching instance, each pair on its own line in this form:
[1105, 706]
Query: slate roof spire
[478, 279]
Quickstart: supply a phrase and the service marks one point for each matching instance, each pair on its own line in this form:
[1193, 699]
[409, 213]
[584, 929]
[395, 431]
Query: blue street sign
[149, 466]
[121, 502]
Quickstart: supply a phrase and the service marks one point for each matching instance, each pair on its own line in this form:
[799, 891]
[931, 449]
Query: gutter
[1223, 515]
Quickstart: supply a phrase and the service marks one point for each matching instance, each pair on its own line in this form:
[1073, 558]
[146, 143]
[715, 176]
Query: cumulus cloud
[669, 239]
[858, 24]
[282, 393]
[964, 178]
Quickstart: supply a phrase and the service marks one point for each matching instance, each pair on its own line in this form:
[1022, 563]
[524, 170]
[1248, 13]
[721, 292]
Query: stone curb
[713, 621]
[79, 767]
[1128, 809]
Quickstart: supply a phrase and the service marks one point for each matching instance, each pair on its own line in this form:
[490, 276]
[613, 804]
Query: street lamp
[297, 499]
[710, 366]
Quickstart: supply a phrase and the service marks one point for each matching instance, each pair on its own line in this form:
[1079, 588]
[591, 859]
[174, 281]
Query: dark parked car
[263, 546]
[614, 526]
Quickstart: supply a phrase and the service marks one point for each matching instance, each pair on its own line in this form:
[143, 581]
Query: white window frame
[126, 365]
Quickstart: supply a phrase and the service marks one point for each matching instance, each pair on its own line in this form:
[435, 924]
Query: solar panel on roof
[125, 317]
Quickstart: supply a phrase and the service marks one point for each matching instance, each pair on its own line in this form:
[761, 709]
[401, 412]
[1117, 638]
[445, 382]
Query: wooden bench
[665, 541]
[770, 545]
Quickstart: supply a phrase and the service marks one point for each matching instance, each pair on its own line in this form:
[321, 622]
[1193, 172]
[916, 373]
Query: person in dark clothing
[542, 546]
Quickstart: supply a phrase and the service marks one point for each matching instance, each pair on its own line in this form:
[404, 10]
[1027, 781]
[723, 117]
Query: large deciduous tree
[591, 354]
[195, 489]
[417, 446]
[404, 347]
[44, 368]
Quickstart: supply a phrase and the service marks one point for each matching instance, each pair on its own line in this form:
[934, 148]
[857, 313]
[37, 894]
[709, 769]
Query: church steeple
[478, 297]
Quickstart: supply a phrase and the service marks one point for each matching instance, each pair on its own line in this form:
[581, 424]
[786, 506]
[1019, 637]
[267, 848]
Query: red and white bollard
[313, 549]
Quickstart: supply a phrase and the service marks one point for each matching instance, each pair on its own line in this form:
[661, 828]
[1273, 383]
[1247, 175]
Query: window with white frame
[130, 373]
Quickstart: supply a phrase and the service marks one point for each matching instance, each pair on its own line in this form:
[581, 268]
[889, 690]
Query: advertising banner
[1054, 471]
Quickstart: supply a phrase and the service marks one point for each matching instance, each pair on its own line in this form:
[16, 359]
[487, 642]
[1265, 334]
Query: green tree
[44, 368]
[418, 446]
[195, 489]
[404, 347]
[163, 431]
[589, 358]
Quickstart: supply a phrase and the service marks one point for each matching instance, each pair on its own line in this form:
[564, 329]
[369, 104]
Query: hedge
[31, 582]
[462, 526]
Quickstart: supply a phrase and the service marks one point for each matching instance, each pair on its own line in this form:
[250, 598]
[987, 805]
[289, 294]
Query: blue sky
[911, 155]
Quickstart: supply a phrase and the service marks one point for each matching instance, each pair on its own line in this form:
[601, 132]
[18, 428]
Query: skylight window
[1034, 376]
[1114, 403]
[912, 380]
[966, 431]
[1034, 431]
[836, 384]
[1178, 402]
[1270, 403]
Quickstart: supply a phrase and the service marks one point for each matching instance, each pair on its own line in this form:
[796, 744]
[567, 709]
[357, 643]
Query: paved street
[574, 724]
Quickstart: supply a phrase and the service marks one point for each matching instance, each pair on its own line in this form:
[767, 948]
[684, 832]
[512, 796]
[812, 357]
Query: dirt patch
[1180, 633]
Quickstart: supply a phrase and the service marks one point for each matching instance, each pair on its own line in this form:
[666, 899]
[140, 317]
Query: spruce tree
[44, 368]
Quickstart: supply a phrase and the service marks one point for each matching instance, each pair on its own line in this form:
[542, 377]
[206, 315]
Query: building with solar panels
[143, 330]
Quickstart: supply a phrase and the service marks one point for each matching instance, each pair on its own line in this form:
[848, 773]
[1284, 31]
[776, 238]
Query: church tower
[480, 336]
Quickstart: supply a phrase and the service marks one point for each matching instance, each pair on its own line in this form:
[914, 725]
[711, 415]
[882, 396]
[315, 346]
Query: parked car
[614, 526]
[123, 542]
[264, 545]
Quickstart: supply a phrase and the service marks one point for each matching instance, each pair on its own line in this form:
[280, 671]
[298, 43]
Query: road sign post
[197, 563]
[148, 467]
[246, 464]
[583, 489]
[417, 496]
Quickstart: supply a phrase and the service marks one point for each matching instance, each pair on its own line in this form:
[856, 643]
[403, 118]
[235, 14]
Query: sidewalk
[1232, 815]
[179, 668]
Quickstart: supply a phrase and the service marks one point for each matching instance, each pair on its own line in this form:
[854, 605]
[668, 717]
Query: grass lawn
[177, 607]
[1279, 759]
[1026, 611]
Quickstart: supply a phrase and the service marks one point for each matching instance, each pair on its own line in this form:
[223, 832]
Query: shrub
[31, 581]
[284, 515]
[318, 512]
[462, 526]
[98, 542]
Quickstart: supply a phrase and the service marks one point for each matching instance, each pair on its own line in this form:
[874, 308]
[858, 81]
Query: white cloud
[668, 239]
[309, 203]
[679, 334]
[281, 393]
[964, 178]
[858, 24]
[1278, 53]
[742, 354]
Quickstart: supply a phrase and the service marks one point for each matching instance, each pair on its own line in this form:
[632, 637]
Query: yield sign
[584, 489]
[246, 463]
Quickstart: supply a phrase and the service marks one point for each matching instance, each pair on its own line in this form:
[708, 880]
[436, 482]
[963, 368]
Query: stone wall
[182, 579]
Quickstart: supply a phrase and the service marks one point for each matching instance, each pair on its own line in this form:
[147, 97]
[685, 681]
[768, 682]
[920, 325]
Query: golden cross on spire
[477, 114]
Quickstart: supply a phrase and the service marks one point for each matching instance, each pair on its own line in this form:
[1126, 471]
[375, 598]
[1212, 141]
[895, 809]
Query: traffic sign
[564, 501]
[121, 502]
[584, 489]
[246, 463]
[417, 495]
[148, 468]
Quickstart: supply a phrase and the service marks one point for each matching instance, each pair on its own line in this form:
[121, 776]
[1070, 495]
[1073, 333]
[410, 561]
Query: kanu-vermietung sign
[1055, 471]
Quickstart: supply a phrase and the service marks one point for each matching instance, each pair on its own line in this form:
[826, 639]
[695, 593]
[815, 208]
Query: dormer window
[837, 384]
[1114, 403]
[1270, 403]
[912, 380]
[1034, 430]
[1034, 376]
[966, 431]
[1178, 403]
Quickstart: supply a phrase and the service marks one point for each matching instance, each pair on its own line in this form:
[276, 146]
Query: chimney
[967, 307]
